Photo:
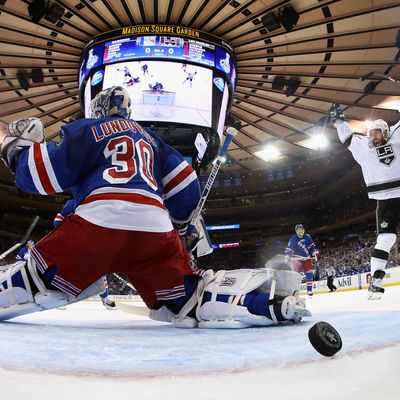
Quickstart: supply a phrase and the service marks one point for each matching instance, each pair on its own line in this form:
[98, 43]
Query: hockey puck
[325, 339]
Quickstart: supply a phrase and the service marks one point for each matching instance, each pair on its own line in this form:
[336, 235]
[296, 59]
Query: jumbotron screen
[175, 76]
[165, 91]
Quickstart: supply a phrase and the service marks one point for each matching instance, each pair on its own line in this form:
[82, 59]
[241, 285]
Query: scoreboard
[181, 82]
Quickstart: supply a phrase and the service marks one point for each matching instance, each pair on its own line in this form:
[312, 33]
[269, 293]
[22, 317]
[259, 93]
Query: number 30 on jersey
[122, 151]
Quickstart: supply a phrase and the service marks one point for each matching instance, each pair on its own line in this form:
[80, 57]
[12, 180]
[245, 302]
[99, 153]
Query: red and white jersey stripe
[127, 209]
[178, 179]
[42, 171]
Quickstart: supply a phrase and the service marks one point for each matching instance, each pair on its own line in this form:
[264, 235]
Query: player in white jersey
[378, 154]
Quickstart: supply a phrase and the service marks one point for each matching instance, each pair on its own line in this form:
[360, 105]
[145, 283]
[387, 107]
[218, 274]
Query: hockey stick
[230, 133]
[128, 308]
[23, 240]
[120, 278]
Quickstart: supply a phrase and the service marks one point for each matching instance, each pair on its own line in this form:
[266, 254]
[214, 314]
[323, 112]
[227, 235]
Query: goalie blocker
[226, 299]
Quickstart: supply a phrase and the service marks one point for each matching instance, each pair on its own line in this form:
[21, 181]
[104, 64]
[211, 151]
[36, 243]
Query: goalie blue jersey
[114, 168]
[301, 248]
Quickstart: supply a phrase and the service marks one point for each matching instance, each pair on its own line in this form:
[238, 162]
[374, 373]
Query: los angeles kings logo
[386, 154]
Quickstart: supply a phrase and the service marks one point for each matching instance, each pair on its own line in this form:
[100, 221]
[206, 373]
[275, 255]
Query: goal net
[158, 103]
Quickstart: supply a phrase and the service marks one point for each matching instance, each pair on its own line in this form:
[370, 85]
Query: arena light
[269, 153]
[317, 141]
[390, 103]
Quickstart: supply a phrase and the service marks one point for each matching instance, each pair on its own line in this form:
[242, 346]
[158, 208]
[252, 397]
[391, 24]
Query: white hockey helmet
[111, 102]
[382, 126]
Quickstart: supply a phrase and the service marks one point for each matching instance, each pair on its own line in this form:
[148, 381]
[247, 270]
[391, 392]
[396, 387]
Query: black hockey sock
[379, 274]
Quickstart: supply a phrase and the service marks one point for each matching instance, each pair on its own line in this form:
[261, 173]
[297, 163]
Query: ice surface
[88, 352]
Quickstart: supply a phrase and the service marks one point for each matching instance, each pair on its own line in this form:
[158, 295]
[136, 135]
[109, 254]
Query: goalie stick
[23, 240]
[129, 308]
[230, 133]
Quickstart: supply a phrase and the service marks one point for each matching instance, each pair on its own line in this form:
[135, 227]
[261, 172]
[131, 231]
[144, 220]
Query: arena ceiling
[333, 44]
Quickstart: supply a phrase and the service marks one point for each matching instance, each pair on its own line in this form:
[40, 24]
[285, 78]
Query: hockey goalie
[131, 190]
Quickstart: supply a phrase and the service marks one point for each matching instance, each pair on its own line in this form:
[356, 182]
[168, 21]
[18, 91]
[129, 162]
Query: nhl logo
[386, 154]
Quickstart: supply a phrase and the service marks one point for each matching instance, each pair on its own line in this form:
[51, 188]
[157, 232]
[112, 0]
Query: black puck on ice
[325, 339]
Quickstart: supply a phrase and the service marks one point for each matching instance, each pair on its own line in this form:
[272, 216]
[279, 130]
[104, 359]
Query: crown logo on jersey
[384, 224]
[386, 154]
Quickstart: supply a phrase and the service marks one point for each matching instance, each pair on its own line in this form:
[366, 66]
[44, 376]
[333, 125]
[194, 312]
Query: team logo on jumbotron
[219, 83]
[92, 59]
[386, 154]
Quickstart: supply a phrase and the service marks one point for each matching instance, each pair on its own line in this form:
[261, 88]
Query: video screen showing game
[165, 91]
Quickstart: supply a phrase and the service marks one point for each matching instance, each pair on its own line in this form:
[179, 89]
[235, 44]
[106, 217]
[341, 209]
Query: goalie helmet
[111, 102]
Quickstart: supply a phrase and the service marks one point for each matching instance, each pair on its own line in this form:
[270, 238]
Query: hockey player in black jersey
[378, 154]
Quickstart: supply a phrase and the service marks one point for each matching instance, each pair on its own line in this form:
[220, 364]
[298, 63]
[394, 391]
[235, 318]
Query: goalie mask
[379, 133]
[111, 102]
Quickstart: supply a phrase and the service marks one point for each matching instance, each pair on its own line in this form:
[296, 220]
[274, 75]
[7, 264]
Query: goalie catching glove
[21, 134]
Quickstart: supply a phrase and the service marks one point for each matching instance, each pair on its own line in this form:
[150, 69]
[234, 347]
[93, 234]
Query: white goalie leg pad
[17, 301]
[288, 283]
[237, 283]
[10, 295]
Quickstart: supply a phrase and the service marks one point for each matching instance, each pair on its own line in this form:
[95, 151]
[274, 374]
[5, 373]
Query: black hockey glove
[335, 113]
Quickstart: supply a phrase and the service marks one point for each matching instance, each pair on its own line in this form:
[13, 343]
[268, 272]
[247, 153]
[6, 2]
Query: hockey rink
[87, 352]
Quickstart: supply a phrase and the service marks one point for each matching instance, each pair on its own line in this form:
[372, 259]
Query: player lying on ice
[129, 187]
